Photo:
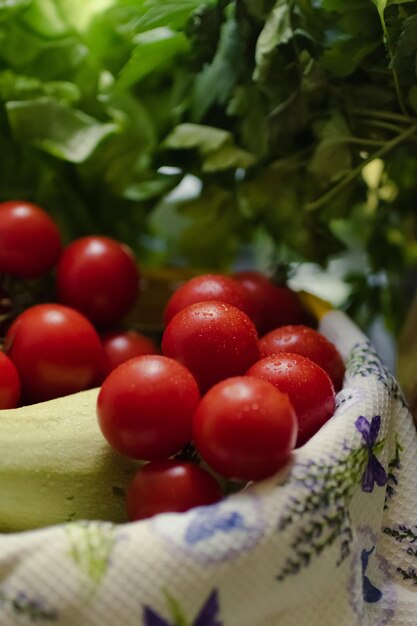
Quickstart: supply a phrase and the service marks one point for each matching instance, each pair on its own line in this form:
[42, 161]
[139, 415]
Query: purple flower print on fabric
[370, 592]
[151, 618]
[209, 521]
[25, 607]
[207, 616]
[372, 588]
[374, 472]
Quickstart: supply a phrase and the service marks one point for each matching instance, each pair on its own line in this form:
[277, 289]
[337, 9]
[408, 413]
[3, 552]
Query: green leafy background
[214, 133]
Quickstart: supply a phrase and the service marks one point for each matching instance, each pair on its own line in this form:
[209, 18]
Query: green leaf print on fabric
[409, 574]
[90, 548]
[364, 361]
[407, 537]
[394, 466]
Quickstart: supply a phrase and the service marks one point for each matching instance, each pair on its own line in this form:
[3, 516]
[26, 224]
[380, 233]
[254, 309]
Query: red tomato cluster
[241, 380]
[72, 341]
[244, 392]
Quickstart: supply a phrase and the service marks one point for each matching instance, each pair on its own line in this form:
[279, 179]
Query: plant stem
[391, 55]
[385, 126]
[363, 141]
[389, 145]
[381, 114]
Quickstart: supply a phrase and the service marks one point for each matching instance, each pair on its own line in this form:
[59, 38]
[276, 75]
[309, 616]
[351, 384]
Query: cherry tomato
[213, 340]
[120, 346]
[145, 407]
[30, 243]
[244, 428]
[307, 342]
[99, 277]
[9, 383]
[307, 385]
[208, 287]
[55, 350]
[170, 486]
[272, 305]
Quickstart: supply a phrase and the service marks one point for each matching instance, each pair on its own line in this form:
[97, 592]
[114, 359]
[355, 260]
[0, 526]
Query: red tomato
[208, 287]
[272, 305]
[213, 340]
[55, 350]
[9, 383]
[99, 277]
[145, 407]
[120, 346]
[244, 428]
[307, 342]
[30, 243]
[170, 486]
[307, 385]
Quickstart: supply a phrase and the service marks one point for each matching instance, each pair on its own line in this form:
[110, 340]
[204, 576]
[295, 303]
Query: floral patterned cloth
[330, 541]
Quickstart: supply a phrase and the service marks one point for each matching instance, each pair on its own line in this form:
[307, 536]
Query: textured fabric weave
[330, 541]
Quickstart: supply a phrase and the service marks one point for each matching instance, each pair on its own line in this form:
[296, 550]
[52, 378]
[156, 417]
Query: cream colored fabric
[330, 541]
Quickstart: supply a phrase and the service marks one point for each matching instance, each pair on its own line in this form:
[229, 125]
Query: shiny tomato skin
[208, 287]
[145, 407]
[300, 339]
[120, 346]
[244, 428]
[272, 305]
[56, 351]
[170, 486]
[30, 242]
[213, 340]
[9, 383]
[99, 277]
[307, 385]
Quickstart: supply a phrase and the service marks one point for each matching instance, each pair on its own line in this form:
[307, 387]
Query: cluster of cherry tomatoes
[70, 342]
[240, 378]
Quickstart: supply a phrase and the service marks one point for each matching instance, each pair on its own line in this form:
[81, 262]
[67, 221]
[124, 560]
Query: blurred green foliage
[296, 119]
